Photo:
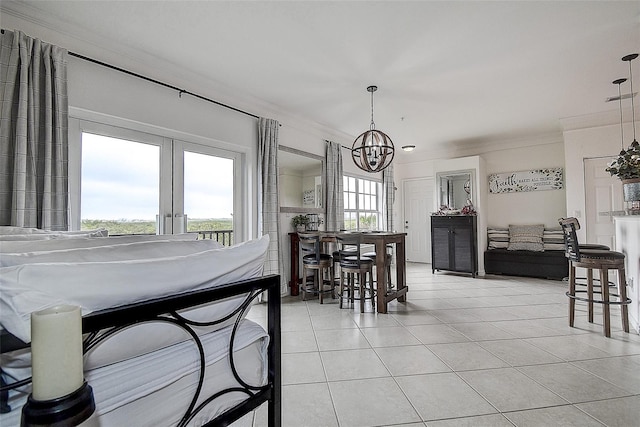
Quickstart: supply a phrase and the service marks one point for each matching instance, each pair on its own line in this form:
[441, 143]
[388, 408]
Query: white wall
[535, 207]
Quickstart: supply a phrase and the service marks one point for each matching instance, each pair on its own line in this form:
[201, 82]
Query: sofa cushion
[526, 238]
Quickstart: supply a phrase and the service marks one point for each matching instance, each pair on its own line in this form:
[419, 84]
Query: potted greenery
[300, 222]
[627, 167]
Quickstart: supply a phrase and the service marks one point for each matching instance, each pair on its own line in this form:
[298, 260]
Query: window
[362, 203]
[133, 182]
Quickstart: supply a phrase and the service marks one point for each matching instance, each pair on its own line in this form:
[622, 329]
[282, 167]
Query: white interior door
[603, 194]
[418, 201]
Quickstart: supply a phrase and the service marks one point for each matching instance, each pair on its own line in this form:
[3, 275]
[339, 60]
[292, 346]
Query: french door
[137, 183]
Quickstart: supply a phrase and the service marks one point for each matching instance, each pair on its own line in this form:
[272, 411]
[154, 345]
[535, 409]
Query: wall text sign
[533, 180]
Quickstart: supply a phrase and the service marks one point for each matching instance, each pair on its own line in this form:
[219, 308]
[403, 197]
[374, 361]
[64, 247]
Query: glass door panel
[208, 196]
[120, 185]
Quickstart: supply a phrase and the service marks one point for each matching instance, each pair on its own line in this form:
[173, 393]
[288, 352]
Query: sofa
[530, 251]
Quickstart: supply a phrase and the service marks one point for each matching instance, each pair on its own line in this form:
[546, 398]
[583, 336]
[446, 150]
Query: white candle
[56, 351]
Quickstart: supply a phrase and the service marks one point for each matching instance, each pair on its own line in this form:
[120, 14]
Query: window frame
[168, 141]
[359, 196]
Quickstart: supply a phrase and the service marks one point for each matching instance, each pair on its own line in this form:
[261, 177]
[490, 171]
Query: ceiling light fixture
[408, 147]
[373, 150]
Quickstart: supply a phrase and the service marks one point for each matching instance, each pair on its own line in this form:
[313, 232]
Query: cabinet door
[462, 243]
[440, 249]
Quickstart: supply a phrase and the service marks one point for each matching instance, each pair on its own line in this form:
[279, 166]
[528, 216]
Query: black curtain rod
[140, 76]
[180, 91]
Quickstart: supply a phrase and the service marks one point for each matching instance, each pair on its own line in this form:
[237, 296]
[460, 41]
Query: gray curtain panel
[34, 146]
[268, 196]
[335, 199]
[389, 189]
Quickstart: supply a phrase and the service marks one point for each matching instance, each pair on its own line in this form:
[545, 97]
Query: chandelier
[373, 150]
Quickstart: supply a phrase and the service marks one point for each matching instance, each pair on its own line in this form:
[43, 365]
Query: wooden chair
[313, 259]
[594, 259]
[354, 268]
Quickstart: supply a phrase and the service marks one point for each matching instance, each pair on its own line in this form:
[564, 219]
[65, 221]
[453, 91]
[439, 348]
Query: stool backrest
[349, 249]
[571, 245]
[309, 245]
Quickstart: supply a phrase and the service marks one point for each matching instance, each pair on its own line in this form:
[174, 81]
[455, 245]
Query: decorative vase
[631, 189]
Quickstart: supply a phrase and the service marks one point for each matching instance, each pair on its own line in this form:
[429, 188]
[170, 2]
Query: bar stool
[584, 246]
[387, 264]
[313, 259]
[594, 259]
[355, 266]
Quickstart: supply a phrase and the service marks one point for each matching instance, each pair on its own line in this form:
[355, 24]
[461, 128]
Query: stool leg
[304, 283]
[606, 308]
[321, 284]
[572, 292]
[332, 272]
[590, 292]
[373, 293]
[362, 279]
[622, 291]
[341, 287]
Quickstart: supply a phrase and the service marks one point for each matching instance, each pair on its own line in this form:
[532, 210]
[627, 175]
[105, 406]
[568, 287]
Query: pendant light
[619, 82]
[373, 150]
[630, 58]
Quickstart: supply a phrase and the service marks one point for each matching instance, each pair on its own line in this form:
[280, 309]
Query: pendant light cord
[620, 101]
[633, 110]
[373, 125]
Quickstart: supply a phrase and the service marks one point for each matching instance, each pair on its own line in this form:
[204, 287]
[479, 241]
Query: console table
[380, 240]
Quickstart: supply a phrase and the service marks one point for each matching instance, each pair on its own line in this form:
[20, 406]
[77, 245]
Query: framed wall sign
[533, 180]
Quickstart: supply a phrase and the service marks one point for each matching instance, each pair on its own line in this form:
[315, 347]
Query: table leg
[401, 269]
[381, 277]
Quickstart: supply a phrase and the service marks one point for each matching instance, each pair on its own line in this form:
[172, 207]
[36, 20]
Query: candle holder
[69, 410]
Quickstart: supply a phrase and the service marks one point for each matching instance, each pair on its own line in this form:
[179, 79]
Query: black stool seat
[593, 246]
[311, 259]
[600, 254]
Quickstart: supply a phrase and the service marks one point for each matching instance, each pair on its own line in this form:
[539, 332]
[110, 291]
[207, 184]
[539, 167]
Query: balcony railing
[225, 237]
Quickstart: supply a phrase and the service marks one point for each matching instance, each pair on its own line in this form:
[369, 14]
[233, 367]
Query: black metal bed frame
[101, 325]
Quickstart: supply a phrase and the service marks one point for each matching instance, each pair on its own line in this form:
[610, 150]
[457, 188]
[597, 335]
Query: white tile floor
[493, 351]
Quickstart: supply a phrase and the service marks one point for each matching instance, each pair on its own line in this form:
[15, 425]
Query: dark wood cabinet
[454, 244]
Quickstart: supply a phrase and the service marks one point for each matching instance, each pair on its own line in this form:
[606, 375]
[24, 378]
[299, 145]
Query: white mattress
[155, 389]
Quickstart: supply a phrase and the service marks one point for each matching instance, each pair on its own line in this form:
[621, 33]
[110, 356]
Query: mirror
[300, 179]
[455, 188]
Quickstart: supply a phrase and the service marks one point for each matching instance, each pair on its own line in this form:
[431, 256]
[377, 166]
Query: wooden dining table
[380, 239]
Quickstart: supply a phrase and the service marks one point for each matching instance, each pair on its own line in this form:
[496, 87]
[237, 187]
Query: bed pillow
[86, 242]
[526, 238]
[121, 252]
[98, 285]
[498, 237]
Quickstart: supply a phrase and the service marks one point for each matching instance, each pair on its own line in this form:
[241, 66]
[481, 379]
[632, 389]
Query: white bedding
[116, 252]
[99, 285]
[131, 392]
[143, 375]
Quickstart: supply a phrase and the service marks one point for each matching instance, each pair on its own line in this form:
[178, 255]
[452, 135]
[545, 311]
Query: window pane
[352, 200]
[119, 191]
[208, 192]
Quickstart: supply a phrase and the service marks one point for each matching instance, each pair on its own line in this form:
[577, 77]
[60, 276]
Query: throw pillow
[526, 238]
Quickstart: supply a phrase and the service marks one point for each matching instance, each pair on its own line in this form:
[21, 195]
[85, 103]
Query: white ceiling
[449, 73]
